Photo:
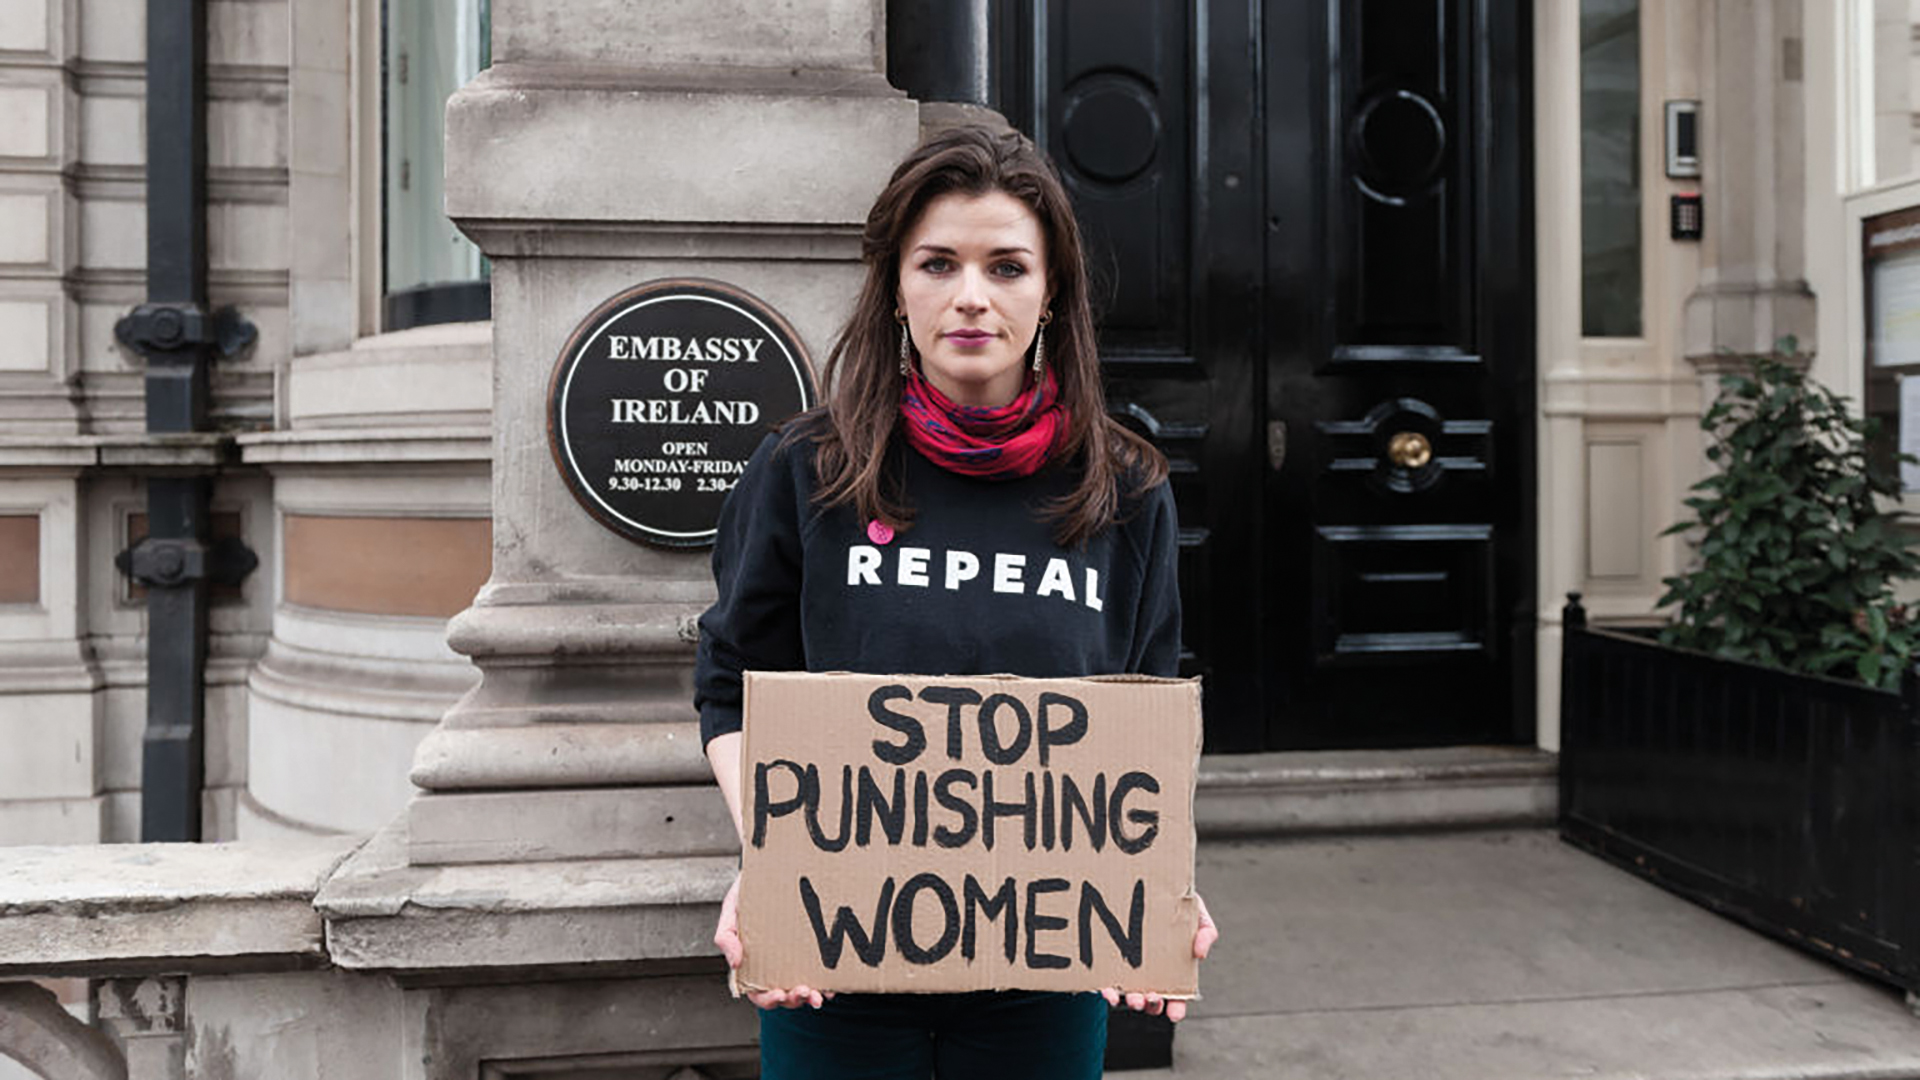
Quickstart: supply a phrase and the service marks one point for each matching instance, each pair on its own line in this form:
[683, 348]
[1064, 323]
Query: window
[1610, 168]
[430, 273]
[1887, 90]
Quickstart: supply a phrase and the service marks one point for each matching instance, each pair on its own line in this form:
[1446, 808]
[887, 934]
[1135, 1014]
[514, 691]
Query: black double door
[1311, 223]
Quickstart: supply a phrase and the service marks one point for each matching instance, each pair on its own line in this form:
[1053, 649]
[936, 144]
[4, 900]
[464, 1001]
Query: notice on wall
[930, 835]
[1894, 329]
[659, 398]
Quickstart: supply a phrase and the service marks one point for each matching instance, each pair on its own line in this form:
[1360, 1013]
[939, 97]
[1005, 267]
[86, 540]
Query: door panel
[1407, 391]
[1118, 120]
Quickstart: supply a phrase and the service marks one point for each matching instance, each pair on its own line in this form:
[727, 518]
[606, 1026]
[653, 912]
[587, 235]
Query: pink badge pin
[879, 532]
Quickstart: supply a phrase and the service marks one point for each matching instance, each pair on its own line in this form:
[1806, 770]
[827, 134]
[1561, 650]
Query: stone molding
[560, 754]
[1618, 396]
[626, 666]
[654, 821]
[384, 914]
[436, 376]
[831, 139]
[127, 908]
[197, 450]
[503, 623]
[733, 34]
[49, 665]
[387, 446]
[623, 663]
[833, 242]
[412, 690]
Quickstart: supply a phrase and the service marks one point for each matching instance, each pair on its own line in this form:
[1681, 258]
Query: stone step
[1375, 791]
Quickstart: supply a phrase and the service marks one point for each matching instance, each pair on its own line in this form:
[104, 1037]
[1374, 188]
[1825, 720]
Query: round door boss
[1409, 449]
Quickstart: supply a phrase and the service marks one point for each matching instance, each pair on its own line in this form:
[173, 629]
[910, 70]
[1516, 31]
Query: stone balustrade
[332, 958]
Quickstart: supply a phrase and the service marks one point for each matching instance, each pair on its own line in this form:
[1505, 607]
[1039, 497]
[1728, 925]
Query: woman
[902, 528]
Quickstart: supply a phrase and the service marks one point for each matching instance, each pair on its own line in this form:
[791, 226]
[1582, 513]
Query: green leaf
[1868, 667]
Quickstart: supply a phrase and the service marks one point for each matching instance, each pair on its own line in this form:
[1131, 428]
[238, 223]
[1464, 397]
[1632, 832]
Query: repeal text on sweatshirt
[977, 585]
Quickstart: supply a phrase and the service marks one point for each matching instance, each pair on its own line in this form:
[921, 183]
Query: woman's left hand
[1154, 1004]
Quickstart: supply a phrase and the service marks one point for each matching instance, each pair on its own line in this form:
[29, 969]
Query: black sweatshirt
[977, 585]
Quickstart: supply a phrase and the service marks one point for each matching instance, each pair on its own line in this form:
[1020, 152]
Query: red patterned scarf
[1003, 443]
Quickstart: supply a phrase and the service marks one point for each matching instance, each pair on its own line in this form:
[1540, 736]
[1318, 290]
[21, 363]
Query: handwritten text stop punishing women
[983, 825]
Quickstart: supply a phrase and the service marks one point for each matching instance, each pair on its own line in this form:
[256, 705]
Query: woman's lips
[969, 338]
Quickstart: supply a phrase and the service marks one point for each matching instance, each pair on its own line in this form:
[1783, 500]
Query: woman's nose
[972, 294]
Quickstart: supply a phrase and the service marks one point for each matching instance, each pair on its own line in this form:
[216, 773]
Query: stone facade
[545, 837]
[393, 435]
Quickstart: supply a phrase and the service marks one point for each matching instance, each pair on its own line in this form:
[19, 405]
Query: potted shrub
[1761, 754]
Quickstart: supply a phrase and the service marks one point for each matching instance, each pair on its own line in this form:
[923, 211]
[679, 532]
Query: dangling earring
[1040, 343]
[906, 346]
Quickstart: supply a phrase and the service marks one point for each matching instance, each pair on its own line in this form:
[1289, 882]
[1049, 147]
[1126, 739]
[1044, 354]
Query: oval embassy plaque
[660, 397]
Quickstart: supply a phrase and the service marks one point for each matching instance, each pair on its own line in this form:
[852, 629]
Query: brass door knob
[1409, 449]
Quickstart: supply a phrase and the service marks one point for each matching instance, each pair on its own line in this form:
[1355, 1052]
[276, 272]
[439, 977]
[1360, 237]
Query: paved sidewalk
[1490, 956]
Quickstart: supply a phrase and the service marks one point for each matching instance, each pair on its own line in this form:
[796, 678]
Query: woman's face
[973, 284]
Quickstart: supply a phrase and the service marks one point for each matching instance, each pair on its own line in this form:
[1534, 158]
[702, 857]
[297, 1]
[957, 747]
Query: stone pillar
[1753, 289]
[613, 143]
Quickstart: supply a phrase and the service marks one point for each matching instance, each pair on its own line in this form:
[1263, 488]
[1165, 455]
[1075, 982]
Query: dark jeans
[991, 1035]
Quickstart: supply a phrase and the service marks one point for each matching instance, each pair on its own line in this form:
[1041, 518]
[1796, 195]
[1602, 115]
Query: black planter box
[1789, 802]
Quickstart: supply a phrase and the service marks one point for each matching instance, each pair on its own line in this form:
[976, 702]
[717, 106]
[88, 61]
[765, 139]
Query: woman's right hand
[727, 936]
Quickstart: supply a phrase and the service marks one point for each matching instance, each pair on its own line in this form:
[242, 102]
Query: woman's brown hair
[863, 373]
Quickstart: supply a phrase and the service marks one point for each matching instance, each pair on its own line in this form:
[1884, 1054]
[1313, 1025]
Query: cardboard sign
[931, 834]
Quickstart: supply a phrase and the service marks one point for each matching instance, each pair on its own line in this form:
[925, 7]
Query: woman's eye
[936, 265]
[1009, 269]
